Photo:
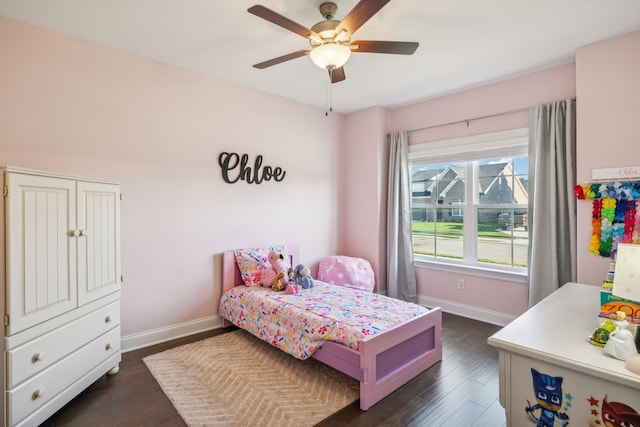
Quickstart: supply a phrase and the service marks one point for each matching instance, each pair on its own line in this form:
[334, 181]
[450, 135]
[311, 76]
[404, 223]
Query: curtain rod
[467, 121]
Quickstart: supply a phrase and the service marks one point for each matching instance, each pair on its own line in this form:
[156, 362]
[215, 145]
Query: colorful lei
[615, 216]
[635, 234]
[596, 224]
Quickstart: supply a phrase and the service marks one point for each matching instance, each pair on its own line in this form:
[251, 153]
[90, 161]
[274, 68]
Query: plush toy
[302, 276]
[275, 277]
[268, 277]
[280, 283]
[292, 289]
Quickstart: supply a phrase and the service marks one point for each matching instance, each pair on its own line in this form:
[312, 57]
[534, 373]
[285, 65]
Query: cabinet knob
[107, 319]
[107, 346]
[74, 233]
[83, 233]
[37, 394]
[37, 357]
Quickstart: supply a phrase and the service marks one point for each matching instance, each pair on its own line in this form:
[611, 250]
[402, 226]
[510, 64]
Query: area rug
[236, 379]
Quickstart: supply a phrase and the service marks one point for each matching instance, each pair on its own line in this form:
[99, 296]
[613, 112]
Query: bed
[382, 362]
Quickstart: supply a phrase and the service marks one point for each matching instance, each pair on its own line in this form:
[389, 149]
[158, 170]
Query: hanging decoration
[615, 217]
[235, 167]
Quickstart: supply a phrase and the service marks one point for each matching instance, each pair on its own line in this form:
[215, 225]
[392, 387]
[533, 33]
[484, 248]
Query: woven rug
[236, 379]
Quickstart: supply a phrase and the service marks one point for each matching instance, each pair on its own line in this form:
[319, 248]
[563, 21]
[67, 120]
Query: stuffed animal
[302, 276]
[268, 277]
[277, 262]
[292, 289]
[280, 283]
[277, 274]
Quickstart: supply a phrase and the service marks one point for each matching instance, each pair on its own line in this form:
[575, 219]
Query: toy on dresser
[620, 343]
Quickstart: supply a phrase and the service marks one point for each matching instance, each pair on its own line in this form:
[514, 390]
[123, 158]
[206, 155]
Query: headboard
[231, 274]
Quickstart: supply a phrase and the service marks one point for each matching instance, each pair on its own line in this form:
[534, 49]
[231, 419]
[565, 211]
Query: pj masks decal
[613, 414]
[549, 399]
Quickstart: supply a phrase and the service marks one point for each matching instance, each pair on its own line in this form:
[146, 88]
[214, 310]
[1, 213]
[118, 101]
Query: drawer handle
[107, 319]
[38, 357]
[107, 346]
[37, 394]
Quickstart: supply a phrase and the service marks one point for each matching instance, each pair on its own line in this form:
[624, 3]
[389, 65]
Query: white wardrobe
[60, 247]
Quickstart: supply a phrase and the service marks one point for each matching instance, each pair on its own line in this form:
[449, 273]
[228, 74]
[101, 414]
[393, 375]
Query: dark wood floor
[460, 391]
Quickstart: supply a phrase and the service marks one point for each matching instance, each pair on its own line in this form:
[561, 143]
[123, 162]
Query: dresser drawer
[37, 391]
[36, 355]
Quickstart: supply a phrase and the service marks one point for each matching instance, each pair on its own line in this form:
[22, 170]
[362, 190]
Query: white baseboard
[156, 336]
[488, 316]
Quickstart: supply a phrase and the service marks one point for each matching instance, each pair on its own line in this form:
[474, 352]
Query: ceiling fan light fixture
[329, 56]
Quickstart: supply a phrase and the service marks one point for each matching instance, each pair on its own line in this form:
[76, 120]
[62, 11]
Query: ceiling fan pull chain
[326, 99]
[328, 96]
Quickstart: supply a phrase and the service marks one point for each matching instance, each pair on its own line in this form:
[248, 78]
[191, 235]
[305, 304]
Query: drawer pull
[107, 319]
[38, 357]
[107, 346]
[37, 394]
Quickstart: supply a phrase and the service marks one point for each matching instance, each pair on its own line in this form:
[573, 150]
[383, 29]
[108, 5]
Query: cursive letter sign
[612, 174]
[230, 161]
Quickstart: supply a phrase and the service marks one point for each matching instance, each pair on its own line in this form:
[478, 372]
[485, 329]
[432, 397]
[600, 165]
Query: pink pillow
[252, 261]
[347, 271]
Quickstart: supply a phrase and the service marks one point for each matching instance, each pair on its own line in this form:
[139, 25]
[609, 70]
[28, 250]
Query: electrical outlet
[461, 284]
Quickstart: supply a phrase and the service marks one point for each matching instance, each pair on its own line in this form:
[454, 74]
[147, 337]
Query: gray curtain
[552, 204]
[401, 275]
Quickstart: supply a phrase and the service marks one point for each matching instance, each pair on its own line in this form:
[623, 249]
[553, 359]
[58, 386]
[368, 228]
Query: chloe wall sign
[235, 167]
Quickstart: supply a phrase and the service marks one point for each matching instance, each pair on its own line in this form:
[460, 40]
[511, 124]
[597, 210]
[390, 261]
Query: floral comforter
[299, 324]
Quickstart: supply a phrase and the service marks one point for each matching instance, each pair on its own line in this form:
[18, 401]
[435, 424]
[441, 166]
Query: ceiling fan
[330, 40]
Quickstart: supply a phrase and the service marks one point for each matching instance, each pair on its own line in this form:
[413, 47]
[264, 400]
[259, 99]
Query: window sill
[474, 270]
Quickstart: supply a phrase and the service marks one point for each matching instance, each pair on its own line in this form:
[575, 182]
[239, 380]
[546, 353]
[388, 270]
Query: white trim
[508, 142]
[160, 335]
[509, 274]
[488, 316]
[156, 336]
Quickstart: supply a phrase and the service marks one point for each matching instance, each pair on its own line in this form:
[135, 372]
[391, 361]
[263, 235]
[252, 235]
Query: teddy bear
[275, 277]
[302, 276]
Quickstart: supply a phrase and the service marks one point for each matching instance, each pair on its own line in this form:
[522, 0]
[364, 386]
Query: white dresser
[552, 339]
[61, 302]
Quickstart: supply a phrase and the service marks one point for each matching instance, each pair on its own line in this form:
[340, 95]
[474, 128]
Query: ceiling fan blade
[399, 48]
[360, 14]
[286, 23]
[337, 75]
[283, 58]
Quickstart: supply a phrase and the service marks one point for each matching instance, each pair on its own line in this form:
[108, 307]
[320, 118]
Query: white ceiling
[463, 43]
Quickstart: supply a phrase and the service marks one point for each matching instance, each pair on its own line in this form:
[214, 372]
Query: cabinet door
[98, 240]
[41, 255]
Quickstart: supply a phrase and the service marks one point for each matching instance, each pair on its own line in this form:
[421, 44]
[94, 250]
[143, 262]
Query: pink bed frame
[386, 361]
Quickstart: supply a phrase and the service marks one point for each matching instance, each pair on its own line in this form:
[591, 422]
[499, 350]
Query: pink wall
[73, 107]
[363, 190]
[491, 295]
[77, 108]
[608, 87]
[605, 81]
[481, 294]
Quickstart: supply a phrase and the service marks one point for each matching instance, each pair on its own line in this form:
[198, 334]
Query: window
[469, 201]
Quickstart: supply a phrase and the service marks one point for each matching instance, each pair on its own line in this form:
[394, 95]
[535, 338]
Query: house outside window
[457, 211]
[470, 201]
